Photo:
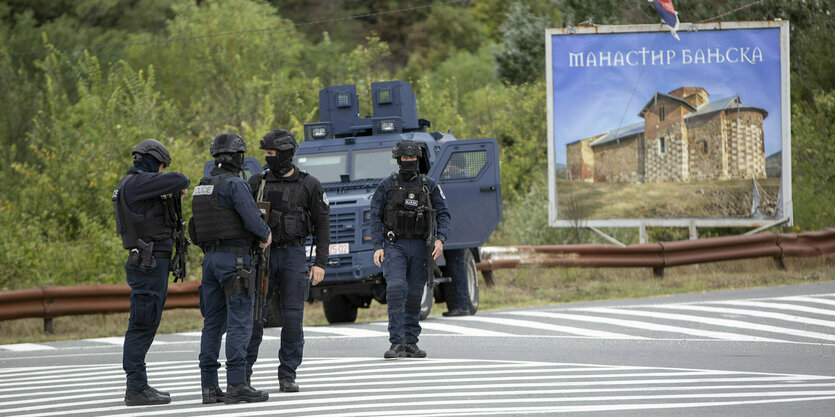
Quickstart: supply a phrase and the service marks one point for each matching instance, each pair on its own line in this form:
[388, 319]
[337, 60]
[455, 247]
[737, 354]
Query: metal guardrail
[49, 302]
[662, 254]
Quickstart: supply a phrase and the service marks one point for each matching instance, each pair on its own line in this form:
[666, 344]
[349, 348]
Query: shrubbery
[70, 116]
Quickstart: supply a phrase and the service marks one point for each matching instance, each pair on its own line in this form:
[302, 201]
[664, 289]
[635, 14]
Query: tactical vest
[212, 221]
[289, 219]
[148, 226]
[408, 212]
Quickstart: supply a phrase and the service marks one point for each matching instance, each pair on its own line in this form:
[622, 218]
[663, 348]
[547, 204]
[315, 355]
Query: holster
[243, 282]
[142, 255]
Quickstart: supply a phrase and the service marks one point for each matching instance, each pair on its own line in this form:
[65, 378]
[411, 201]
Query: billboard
[648, 130]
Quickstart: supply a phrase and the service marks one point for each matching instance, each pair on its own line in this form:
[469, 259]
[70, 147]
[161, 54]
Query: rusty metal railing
[662, 254]
[50, 302]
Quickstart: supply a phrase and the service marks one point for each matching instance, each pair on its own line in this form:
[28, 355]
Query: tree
[521, 56]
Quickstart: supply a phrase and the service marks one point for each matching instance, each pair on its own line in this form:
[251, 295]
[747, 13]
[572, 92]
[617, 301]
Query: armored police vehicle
[350, 155]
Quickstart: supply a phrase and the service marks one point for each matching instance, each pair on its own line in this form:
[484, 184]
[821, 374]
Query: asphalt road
[764, 352]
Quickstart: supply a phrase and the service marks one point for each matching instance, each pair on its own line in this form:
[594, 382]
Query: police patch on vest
[325, 198]
[203, 189]
[411, 202]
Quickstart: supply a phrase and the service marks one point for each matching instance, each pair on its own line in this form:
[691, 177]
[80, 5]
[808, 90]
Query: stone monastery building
[684, 137]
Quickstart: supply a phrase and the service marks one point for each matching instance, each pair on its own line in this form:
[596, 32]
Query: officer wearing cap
[401, 218]
[147, 233]
[298, 208]
[225, 225]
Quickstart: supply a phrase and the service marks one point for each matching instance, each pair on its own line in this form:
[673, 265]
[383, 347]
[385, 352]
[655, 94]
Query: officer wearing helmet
[298, 208]
[401, 219]
[147, 233]
[226, 223]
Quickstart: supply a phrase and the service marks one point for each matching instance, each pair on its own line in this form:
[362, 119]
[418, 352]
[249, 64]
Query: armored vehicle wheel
[339, 309]
[426, 302]
[274, 316]
[472, 285]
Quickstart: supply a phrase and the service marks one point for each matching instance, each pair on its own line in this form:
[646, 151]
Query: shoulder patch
[203, 189]
[441, 190]
[325, 198]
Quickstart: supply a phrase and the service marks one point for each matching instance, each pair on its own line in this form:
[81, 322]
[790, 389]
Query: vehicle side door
[468, 173]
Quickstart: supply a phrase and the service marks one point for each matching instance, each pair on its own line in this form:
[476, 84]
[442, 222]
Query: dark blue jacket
[235, 194]
[143, 190]
[382, 195]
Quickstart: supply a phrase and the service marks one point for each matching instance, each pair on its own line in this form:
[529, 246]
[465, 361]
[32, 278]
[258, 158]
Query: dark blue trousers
[290, 277]
[404, 268]
[149, 288]
[231, 315]
[458, 270]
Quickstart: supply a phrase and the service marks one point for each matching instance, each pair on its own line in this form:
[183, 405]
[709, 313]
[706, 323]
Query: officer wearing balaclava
[142, 223]
[400, 224]
[226, 224]
[298, 208]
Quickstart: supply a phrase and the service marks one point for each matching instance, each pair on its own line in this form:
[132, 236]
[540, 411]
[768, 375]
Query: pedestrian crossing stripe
[375, 387]
[793, 319]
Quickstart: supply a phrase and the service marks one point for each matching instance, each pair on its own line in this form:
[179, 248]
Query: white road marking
[461, 330]
[547, 326]
[753, 313]
[26, 347]
[736, 324]
[645, 326]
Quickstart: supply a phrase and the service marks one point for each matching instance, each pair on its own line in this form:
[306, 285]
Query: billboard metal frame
[692, 222]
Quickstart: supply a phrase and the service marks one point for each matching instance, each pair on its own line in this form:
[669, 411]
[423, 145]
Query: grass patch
[728, 198]
[515, 288]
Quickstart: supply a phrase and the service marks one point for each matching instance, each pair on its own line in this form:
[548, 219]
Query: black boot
[147, 396]
[394, 351]
[413, 351]
[457, 312]
[212, 395]
[243, 392]
[288, 384]
[163, 393]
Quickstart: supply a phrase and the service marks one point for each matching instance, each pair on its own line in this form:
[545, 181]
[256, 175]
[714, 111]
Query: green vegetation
[85, 80]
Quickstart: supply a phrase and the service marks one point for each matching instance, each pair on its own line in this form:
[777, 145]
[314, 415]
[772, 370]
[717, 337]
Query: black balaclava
[282, 163]
[146, 163]
[230, 161]
[408, 169]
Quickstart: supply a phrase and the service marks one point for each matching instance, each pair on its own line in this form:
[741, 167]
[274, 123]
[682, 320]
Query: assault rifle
[173, 205]
[262, 272]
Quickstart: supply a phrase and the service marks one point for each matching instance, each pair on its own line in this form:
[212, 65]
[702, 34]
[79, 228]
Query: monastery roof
[726, 103]
[621, 133]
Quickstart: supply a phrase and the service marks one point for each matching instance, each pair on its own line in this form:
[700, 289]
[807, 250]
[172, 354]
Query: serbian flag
[668, 14]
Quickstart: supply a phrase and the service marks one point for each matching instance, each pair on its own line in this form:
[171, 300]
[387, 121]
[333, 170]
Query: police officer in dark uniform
[225, 225]
[298, 208]
[460, 305]
[402, 220]
[147, 232]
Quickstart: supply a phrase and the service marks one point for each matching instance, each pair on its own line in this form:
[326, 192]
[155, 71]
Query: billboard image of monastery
[683, 137]
[650, 129]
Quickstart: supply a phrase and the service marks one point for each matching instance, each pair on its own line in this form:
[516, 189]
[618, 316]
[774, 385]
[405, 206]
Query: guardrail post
[781, 263]
[694, 235]
[658, 271]
[47, 326]
[488, 278]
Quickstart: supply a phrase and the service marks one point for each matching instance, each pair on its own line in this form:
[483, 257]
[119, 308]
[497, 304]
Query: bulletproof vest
[289, 219]
[212, 221]
[149, 226]
[408, 212]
